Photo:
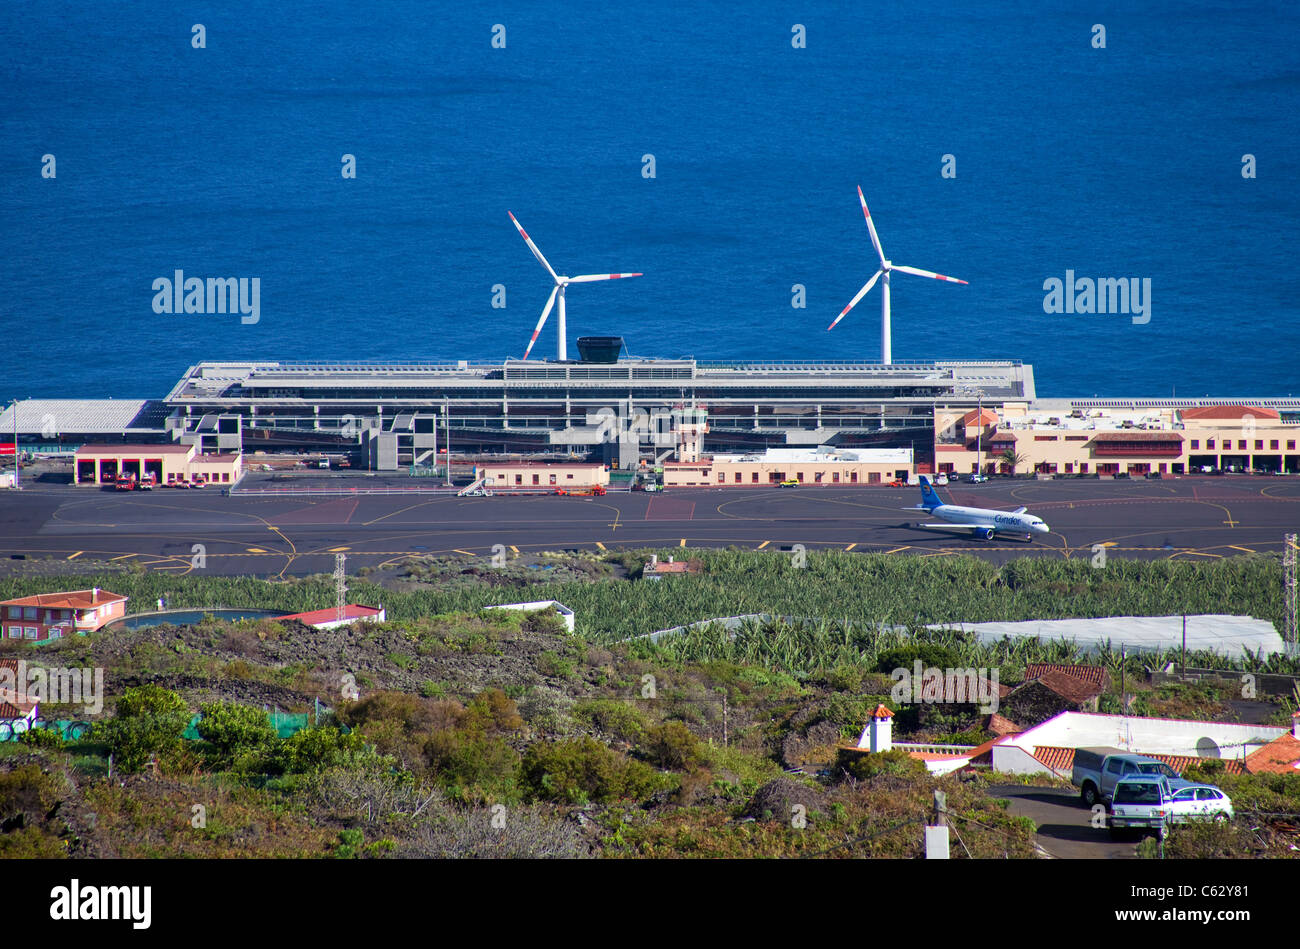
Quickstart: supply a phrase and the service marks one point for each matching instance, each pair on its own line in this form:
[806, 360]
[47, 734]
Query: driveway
[1064, 824]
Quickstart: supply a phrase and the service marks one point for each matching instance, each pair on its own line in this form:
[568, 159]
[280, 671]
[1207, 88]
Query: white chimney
[670, 559]
[94, 594]
[1295, 726]
[654, 560]
[878, 735]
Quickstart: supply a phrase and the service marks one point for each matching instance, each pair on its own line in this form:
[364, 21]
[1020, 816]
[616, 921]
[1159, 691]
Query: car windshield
[1137, 793]
[1157, 767]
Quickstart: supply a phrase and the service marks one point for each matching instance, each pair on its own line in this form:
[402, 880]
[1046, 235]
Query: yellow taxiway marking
[763, 544]
[123, 557]
[598, 544]
[76, 555]
[255, 550]
[1242, 549]
[897, 549]
[337, 550]
[516, 549]
[850, 547]
[467, 553]
[1231, 523]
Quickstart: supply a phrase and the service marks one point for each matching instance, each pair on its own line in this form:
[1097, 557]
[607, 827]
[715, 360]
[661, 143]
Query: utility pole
[340, 586]
[18, 459]
[1292, 633]
[979, 433]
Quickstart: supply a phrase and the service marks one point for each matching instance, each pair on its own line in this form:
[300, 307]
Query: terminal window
[1196, 444]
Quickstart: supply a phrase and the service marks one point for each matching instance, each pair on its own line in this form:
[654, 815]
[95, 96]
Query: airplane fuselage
[1004, 521]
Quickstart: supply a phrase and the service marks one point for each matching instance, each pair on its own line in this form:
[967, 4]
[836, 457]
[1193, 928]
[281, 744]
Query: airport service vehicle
[941, 480]
[1142, 802]
[980, 521]
[594, 491]
[977, 479]
[1200, 802]
[147, 483]
[898, 483]
[1097, 771]
[793, 483]
[323, 463]
[125, 483]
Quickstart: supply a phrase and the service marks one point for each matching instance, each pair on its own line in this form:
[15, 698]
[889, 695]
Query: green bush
[582, 770]
[40, 737]
[316, 749]
[148, 720]
[234, 734]
[621, 720]
[671, 745]
[896, 761]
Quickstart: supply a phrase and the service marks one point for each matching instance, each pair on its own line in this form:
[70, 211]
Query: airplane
[980, 521]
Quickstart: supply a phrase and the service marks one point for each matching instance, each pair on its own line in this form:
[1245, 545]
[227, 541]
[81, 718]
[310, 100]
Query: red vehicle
[594, 491]
[126, 482]
[147, 483]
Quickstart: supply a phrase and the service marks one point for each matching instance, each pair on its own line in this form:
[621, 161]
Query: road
[1196, 518]
[1064, 825]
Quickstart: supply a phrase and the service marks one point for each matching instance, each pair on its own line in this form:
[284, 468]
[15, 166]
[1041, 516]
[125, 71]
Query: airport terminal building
[620, 412]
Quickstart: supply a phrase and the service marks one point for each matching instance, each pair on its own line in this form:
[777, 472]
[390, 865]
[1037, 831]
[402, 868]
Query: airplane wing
[1020, 510]
[948, 525]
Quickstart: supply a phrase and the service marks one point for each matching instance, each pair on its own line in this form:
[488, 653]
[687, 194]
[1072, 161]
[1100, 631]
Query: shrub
[149, 720]
[621, 720]
[41, 737]
[582, 770]
[316, 749]
[896, 761]
[671, 745]
[234, 733]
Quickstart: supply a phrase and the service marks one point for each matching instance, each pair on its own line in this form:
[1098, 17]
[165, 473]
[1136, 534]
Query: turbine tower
[561, 282]
[886, 267]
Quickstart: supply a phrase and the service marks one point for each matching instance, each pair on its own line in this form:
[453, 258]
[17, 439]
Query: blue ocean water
[225, 161]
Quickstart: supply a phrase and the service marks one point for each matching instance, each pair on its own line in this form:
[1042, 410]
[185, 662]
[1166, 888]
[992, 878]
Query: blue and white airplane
[982, 522]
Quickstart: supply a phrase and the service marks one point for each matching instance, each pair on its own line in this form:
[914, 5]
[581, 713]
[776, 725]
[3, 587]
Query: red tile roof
[1279, 756]
[1095, 675]
[1058, 759]
[1068, 687]
[1000, 725]
[975, 417]
[1230, 412]
[75, 600]
[882, 712]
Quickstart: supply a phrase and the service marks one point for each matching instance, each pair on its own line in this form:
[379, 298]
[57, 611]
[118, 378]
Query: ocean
[1122, 161]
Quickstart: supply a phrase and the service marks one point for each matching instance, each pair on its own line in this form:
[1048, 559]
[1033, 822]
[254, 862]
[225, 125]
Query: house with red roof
[1280, 756]
[330, 618]
[54, 615]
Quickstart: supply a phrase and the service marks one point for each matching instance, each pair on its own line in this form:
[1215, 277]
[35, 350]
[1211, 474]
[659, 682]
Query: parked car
[897, 483]
[1154, 476]
[1097, 770]
[977, 479]
[941, 479]
[1200, 802]
[792, 483]
[1142, 802]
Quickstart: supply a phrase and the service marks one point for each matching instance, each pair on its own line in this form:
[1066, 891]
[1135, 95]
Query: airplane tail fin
[929, 498]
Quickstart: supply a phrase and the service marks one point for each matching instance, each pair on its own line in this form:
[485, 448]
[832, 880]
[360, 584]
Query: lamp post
[979, 432]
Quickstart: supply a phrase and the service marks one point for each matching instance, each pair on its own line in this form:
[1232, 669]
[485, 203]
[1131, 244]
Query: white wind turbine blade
[550, 302]
[588, 278]
[926, 273]
[533, 247]
[875, 240]
[854, 302]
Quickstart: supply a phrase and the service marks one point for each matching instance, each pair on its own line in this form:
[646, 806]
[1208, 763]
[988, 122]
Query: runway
[1196, 518]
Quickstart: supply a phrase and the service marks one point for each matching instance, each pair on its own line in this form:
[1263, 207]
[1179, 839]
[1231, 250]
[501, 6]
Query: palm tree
[1012, 459]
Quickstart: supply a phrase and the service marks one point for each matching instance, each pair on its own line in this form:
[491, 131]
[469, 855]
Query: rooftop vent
[599, 348]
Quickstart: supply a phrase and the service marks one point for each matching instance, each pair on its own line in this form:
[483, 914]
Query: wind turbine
[560, 283]
[885, 267]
